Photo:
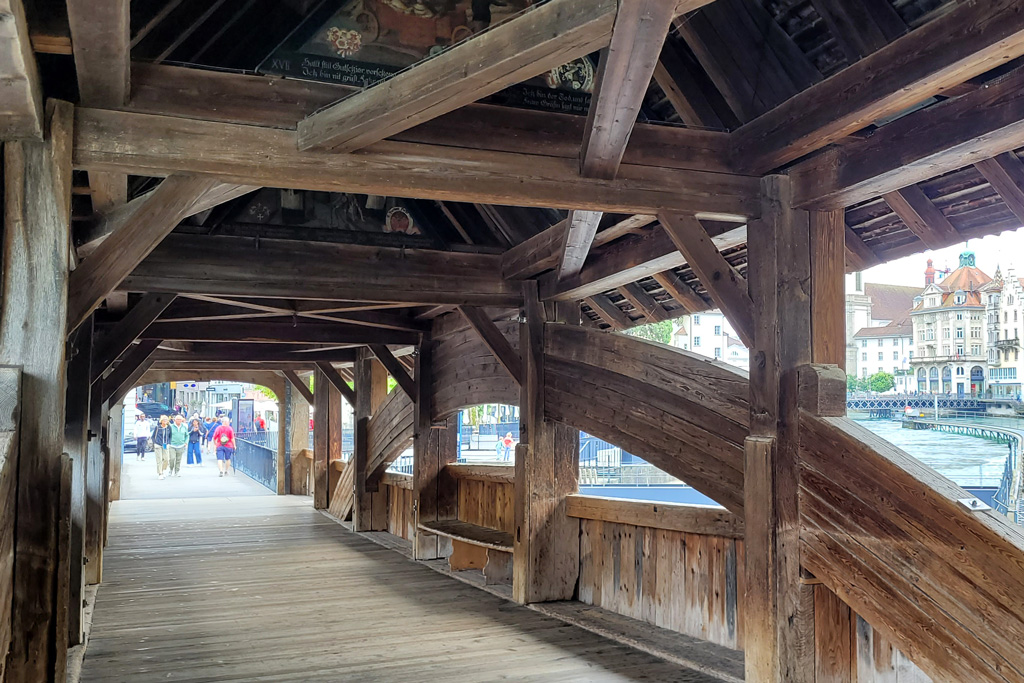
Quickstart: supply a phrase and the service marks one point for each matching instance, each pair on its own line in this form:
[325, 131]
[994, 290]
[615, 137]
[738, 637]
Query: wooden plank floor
[266, 589]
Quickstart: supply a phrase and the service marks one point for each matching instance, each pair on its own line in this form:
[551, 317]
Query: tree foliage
[657, 332]
[881, 382]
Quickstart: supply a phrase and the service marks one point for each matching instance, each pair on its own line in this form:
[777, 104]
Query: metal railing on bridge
[256, 456]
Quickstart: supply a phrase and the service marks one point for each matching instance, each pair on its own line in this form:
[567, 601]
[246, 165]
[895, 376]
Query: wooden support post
[369, 511]
[36, 246]
[95, 490]
[778, 627]
[115, 428]
[435, 491]
[395, 369]
[298, 421]
[546, 546]
[76, 429]
[321, 440]
[64, 560]
[334, 402]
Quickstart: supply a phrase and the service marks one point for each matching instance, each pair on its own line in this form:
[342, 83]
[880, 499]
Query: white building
[711, 335]
[949, 317]
[890, 349]
[1004, 313]
[873, 305]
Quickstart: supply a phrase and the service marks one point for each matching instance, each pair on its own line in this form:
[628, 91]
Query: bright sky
[1005, 249]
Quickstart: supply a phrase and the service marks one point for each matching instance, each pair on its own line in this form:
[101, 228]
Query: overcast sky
[1005, 249]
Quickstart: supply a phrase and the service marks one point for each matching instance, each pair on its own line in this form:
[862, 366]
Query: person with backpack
[161, 438]
[142, 431]
[224, 440]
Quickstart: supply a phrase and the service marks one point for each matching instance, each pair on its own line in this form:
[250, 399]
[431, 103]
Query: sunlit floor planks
[266, 589]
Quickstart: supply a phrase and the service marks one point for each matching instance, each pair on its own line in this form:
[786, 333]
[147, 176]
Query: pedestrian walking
[210, 424]
[179, 442]
[224, 438]
[142, 431]
[261, 424]
[196, 435]
[161, 437]
[506, 444]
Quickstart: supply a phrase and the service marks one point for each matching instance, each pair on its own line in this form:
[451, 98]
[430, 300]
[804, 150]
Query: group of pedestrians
[172, 439]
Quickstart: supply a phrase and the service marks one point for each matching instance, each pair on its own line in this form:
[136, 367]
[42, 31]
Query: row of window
[881, 355]
[1002, 373]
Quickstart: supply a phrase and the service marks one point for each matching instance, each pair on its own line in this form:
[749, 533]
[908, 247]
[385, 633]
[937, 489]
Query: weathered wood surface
[344, 490]
[140, 231]
[406, 633]
[691, 519]
[36, 244]
[21, 114]
[494, 339]
[526, 46]
[473, 534]
[681, 412]
[369, 508]
[116, 340]
[352, 272]
[389, 432]
[887, 534]
[321, 440]
[466, 373]
[275, 102]
[401, 520]
[76, 445]
[10, 403]
[162, 145]
[982, 124]
[954, 48]
[406, 384]
[398, 480]
[503, 474]
[690, 583]
[488, 504]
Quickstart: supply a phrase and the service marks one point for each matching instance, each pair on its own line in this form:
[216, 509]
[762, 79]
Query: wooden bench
[476, 547]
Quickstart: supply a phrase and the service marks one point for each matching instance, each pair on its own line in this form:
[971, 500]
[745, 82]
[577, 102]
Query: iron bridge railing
[256, 456]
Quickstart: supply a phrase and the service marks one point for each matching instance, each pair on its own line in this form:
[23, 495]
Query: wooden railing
[401, 518]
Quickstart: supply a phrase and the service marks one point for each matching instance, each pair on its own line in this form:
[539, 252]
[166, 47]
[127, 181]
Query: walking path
[266, 589]
[139, 481]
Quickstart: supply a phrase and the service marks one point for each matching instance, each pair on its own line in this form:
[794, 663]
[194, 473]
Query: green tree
[881, 382]
[851, 383]
[260, 389]
[656, 332]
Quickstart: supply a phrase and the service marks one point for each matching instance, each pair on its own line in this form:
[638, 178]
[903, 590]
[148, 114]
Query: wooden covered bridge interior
[172, 208]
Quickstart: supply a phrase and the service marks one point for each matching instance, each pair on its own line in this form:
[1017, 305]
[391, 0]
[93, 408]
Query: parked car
[153, 410]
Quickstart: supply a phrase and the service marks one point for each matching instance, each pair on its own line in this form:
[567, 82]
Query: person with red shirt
[224, 440]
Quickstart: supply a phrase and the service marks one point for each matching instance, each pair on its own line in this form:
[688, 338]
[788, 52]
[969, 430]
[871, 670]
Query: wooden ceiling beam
[255, 353]
[726, 286]
[21, 106]
[301, 386]
[1005, 173]
[684, 295]
[138, 233]
[110, 345]
[969, 40]
[631, 260]
[540, 39]
[644, 303]
[395, 368]
[262, 331]
[226, 266]
[623, 77]
[922, 217]
[273, 102]
[494, 340]
[130, 368]
[339, 383]
[622, 228]
[537, 254]
[860, 27]
[944, 137]
[99, 40]
[859, 256]
[229, 365]
[159, 145]
[609, 312]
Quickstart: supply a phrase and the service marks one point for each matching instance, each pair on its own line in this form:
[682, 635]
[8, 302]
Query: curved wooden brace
[465, 373]
[389, 432]
[678, 411]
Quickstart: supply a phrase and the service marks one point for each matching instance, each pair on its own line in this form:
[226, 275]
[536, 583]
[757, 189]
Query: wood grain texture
[405, 382]
[259, 541]
[161, 145]
[977, 126]
[1005, 173]
[692, 519]
[371, 381]
[956, 47]
[828, 293]
[10, 381]
[502, 474]
[36, 240]
[300, 384]
[389, 433]
[142, 230]
[514, 51]
[934, 563]
[726, 286]
[495, 340]
[922, 217]
[117, 339]
[321, 440]
[681, 412]
[335, 379]
[465, 372]
[132, 366]
[21, 114]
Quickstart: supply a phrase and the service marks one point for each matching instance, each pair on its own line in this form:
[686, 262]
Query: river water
[966, 460]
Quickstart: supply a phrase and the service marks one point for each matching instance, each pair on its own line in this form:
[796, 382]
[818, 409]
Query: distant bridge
[897, 402]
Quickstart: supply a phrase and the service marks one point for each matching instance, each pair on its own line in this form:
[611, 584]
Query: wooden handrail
[691, 519]
[398, 480]
[504, 474]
